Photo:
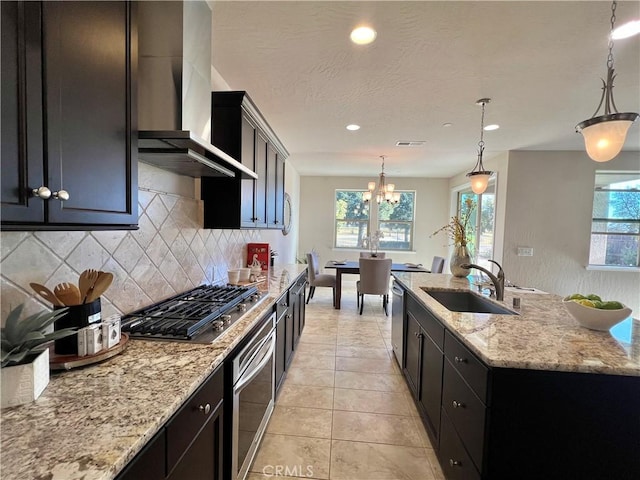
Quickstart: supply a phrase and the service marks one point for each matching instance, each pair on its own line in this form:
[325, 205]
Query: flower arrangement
[458, 228]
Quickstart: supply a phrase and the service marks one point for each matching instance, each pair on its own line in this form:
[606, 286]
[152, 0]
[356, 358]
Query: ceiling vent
[413, 143]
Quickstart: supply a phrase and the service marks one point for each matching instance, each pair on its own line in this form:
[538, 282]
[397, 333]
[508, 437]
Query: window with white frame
[481, 233]
[357, 221]
[615, 226]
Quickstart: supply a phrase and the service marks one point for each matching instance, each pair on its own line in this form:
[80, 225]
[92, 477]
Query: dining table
[353, 267]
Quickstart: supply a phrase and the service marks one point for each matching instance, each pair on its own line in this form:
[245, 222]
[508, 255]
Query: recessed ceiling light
[493, 126]
[627, 30]
[353, 127]
[363, 35]
[447, 125]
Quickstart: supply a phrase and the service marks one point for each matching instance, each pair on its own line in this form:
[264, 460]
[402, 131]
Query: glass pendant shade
[604, 136]
[479, 181]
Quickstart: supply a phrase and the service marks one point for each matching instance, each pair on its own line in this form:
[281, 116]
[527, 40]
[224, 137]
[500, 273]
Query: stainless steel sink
[458, 301]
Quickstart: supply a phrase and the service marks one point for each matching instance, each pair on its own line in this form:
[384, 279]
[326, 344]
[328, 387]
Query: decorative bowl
[596, 318]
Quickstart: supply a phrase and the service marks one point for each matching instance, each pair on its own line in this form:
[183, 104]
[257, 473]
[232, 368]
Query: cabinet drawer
[282, 305]
[472, 370]
[454, 460]
[466, 412]
[194, 414]
[427, 320]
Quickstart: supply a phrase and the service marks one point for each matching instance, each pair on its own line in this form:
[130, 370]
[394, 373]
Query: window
[352, 219]
[615, 228]
[481, 233]
[356, 221]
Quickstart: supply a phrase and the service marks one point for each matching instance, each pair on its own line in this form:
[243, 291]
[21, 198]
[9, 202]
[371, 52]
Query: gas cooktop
[199, 315]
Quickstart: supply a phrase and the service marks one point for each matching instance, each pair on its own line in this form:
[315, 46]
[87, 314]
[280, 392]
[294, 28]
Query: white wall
[317, 204]
[548, 207]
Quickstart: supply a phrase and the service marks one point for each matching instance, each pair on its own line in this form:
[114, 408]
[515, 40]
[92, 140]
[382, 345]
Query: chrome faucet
[498, 282]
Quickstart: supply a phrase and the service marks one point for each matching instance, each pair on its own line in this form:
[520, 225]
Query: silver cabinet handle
[460, 359]
[61, 195]
[288, 316]
[41, 192]
[457, 404]
[206, 409]
[454, 463]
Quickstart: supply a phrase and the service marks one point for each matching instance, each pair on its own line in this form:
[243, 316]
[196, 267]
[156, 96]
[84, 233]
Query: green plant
[21, 338]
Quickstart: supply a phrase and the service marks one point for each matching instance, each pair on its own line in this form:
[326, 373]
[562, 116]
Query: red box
[262, 252]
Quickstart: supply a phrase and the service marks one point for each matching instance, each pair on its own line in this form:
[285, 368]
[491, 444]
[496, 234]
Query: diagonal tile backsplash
[169, 253]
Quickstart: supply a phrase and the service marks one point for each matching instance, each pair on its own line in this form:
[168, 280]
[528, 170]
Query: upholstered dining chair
[371, 255]
[437, 266]
[374, 280]
[317, 279]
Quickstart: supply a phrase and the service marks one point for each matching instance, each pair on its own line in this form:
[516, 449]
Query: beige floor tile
[313, 349]
[361, 341]
[421, 429]
[412, 403]
[371, 402]
[435, 465]
[299, 421]
[375, 428]
[294, 456]
[369, 461]
[324, 362]
[321, 328]
[367, 365]
[309, 376]
[362, 352]
[305, 396]
[317, 338]
[370, 381]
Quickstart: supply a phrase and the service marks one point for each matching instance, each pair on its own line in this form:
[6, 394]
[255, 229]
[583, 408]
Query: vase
[25, 382]
[459, 257]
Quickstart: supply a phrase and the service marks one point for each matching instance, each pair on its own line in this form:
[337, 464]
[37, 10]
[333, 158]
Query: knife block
[78, 316]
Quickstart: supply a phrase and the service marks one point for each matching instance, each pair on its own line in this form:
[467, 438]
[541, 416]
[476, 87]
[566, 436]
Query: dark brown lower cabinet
[282, 312]
[150, 463]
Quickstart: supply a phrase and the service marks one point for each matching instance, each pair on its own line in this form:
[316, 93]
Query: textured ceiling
[539, 62]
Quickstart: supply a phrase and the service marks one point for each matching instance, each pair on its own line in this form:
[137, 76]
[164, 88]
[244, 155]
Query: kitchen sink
[458, 301]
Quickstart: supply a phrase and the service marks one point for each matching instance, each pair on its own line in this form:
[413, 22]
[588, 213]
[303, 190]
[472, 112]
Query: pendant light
[385, 191]
[479, 177]
[604, 135]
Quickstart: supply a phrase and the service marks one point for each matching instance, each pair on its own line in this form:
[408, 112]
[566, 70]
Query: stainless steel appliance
[199, 315]
[253, 396]
[397, 319]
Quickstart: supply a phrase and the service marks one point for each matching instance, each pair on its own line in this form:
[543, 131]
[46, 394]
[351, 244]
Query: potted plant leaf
[25, 356]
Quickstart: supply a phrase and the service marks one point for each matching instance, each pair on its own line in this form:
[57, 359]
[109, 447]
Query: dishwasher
[397, 321]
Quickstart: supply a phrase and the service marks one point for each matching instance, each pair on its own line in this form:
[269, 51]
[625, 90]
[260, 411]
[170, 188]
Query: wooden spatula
[47, 294]
[68, 293]
[86, 282]
[102, 283]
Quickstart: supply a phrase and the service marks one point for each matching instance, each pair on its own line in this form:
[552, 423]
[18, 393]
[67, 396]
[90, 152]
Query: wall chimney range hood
[174, 91]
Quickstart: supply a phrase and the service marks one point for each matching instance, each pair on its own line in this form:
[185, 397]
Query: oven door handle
[253, 371]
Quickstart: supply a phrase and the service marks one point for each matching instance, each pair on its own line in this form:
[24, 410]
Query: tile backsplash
[170, 253]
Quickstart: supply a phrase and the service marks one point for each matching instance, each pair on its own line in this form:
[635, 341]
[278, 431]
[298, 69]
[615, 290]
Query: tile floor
[344, 411]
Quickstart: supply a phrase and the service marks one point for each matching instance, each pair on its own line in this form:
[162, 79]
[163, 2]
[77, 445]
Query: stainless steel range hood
[174, 91]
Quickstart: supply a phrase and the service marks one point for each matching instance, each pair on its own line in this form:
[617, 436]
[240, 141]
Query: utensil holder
[78, 316]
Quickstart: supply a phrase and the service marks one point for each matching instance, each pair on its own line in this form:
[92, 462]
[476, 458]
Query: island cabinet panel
[423, 363]
[68, 116]
[282, 313]
[240, 130]
[150, 463]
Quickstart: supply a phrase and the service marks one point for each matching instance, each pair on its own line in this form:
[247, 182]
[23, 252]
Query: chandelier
[385, 191]
[479, 177]
[604, 135]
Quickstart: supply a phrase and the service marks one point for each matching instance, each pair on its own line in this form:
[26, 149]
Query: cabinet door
[150, 463]
[413, 342]
[294, 302]
[90, 53]
[247, 157]
[260, 168]
[279, 205]
[289, 335]
[431, 384]
[272, 166]
[22, 139]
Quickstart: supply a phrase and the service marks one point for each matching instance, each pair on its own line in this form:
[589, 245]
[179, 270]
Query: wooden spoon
[102, 283]
[86, 282]
[47, 294]
[68, 294]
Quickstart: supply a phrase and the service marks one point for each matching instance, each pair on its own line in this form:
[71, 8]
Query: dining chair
[317, 279]
[374, 280]
[437, 266]
[371, 255]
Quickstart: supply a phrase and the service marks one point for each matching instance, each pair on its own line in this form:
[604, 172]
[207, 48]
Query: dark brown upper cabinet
[69, 149]
[240, 130]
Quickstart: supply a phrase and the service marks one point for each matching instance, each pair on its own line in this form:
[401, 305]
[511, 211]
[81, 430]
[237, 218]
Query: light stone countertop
[542, 337]
[90, 422]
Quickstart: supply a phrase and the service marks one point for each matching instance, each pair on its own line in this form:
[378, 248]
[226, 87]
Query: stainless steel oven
[253, 396]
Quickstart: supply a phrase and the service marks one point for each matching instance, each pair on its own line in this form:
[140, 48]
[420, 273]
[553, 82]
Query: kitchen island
[530, 395]
[90, 422]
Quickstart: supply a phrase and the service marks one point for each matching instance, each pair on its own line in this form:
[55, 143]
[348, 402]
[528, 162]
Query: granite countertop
[542, 337]
[90, 422]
